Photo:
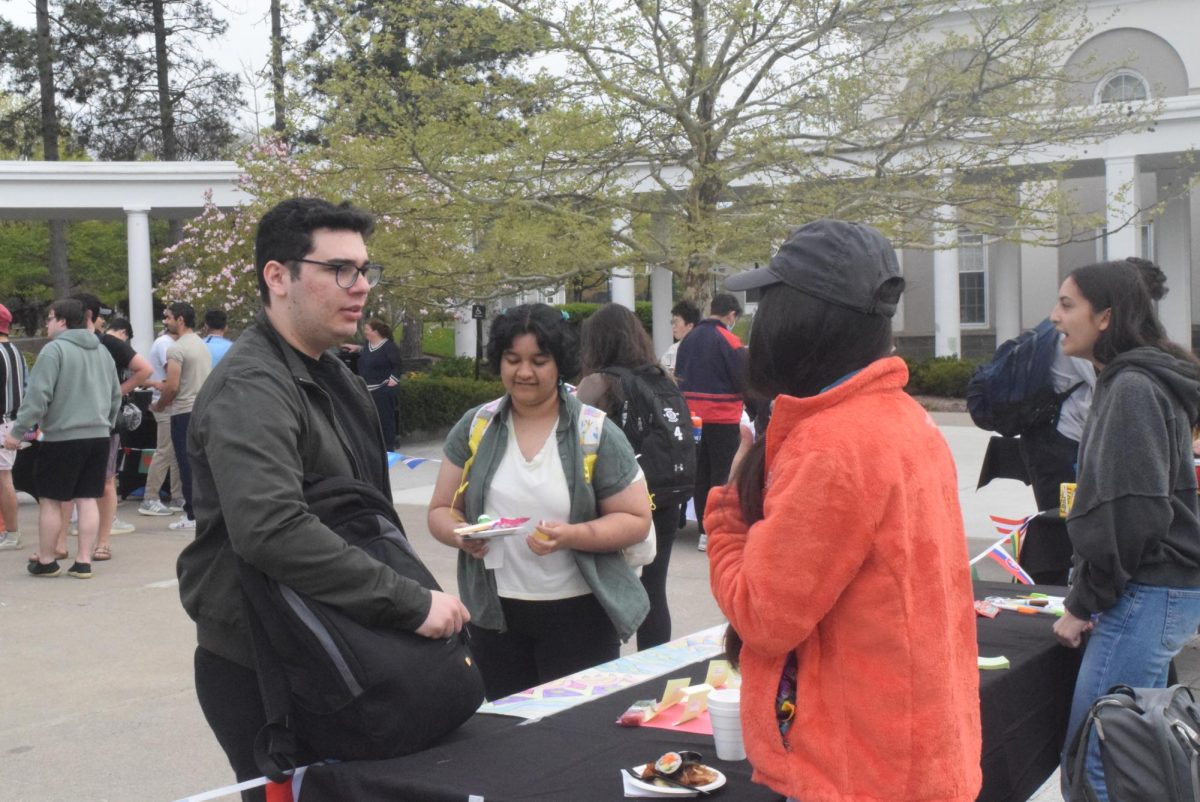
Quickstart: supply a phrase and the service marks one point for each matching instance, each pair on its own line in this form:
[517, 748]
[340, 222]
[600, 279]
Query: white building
[968, 298]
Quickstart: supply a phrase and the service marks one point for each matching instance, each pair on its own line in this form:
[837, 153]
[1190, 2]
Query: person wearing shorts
[74, 395]
[12, 386]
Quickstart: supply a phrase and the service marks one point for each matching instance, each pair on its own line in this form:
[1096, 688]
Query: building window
[1145, 233]
[1125, 86]
[972, 279]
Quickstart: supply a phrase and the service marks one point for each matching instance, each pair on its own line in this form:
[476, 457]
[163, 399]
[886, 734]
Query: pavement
[98, 701]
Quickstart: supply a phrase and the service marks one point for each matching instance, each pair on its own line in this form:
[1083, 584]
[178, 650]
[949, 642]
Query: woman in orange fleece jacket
[837, 551]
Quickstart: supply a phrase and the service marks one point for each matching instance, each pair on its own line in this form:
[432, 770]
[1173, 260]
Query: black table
[575, 754]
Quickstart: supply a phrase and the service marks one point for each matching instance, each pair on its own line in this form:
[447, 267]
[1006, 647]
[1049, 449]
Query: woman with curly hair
[557, 597]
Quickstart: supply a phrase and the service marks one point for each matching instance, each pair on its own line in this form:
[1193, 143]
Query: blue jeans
[1132, 644]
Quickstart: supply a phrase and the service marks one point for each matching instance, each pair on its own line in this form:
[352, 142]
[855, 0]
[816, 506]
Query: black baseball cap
[839, 262]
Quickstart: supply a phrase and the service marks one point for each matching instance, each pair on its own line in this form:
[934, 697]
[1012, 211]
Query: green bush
[945, 376]
[437, 402]
[579, 312]
[458, 367]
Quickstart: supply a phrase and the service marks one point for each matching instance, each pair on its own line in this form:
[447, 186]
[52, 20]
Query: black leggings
[229, 697]
[656, 628]
[545, 640]
[718, 443]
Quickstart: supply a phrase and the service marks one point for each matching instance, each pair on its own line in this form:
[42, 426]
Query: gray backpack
[1149, 746]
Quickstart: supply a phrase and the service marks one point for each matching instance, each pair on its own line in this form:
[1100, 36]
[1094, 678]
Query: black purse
[334, 688]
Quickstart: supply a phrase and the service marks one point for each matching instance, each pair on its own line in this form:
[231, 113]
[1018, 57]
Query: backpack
[591, 426]
[334, 688]
[656, 420]
[1149, 746]
[1014, 393]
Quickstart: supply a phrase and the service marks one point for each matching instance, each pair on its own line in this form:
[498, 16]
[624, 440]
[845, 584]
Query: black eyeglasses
[346, 273]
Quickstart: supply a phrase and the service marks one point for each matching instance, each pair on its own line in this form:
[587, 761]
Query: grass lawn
[439, 340]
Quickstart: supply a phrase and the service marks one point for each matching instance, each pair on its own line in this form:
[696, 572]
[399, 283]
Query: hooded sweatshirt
[1135, 517]
[73, 390]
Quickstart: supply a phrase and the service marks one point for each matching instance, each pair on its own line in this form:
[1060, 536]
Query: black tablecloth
[576, 754]
[1025, 707]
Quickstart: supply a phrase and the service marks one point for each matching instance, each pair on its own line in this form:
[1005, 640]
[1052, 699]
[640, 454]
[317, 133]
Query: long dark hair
[614, 337]
[800, 345]
[1121, 288]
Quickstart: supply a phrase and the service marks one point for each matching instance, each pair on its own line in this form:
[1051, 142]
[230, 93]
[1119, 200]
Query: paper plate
[670, 790]
[487, 534]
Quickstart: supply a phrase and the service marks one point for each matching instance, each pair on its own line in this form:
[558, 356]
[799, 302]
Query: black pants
[385, 404]
[229, 697]
[1050, 460]
[718, 443]
[545, 640]
[179, 428]
[656, 628]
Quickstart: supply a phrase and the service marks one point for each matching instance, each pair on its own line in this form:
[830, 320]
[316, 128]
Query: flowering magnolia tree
[418, 241]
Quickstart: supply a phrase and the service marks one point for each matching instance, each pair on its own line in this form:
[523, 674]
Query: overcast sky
[244, 47]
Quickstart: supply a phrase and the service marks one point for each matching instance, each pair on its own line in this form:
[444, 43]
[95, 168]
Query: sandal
[101, 554]
[58, 555]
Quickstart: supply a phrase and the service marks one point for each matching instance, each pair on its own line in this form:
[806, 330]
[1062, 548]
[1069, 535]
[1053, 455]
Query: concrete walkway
[98, 702]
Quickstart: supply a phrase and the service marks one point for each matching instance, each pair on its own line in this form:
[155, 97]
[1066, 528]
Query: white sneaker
[9, 541]
[175, 506]
[184, 524]
[153, 507]
[702, 544]
[119, 527]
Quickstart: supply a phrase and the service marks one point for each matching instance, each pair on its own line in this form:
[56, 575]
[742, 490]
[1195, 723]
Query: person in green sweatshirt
[74, 395]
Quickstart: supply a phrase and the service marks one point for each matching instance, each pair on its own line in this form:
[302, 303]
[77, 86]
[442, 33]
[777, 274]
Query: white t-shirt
[1066, 372]
[538, 490]
[158, 364]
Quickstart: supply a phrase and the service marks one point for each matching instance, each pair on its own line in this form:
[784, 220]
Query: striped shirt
[12, 379]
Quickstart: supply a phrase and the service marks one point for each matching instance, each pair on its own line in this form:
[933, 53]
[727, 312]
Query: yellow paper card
[672, 693]
[695, 701]
[718, 673]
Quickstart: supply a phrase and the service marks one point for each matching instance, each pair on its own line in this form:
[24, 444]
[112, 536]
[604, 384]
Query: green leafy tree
[705, 128]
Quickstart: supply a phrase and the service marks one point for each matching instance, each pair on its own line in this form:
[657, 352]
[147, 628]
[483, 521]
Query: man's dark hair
[285, 232]
[90, 304]
[120, 324]
[687, 311]
[216, 319]
[723, 303]
[70, 311]
[554, 336]
[184, 310]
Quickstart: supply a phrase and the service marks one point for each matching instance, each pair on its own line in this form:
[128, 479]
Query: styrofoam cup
[724, 710]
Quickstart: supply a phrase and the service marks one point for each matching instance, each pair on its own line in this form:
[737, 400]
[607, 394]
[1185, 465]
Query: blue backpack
[1014, 393]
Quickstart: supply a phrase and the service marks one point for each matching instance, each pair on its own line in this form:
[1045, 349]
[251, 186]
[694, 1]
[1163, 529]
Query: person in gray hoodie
[1135, 523]
[74, 395]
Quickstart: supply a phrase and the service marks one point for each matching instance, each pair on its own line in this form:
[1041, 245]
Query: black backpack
[657, 423]
[1149, 746]
[1014, 393]
[334, 688]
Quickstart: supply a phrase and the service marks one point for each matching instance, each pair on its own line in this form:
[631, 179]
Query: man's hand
[12, 444]
[1069, 630]
[447, 615]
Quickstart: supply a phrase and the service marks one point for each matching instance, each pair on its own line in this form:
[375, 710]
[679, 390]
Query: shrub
[437, 402]
[458, 367]
[578, 312]
[945, 376]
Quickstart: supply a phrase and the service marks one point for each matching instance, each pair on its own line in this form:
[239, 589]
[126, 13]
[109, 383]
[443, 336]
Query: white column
[621, 284]
[1173, 244]
[620, 281]
[660, 307]
[1123, 204]
[464, 333]
[141, 292]
[946, 326]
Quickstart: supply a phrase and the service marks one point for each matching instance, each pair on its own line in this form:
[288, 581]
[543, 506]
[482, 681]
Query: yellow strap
[478, 427]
